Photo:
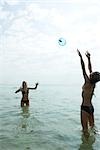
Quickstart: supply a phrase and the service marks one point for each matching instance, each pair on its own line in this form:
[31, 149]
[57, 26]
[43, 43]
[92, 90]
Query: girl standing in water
[87, 109]
[25, 91]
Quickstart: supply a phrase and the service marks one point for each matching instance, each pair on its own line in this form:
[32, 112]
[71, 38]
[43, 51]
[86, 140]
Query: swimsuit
[88, 109]
[24, 100]
[25, 92]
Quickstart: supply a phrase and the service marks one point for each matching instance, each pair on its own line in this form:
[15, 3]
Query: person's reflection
[25, 114]
[87, 142]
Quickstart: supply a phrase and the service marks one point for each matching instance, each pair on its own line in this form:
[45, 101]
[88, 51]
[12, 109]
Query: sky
[29, 34]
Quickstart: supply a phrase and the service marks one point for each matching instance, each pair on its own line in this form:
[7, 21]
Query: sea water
[51, 122]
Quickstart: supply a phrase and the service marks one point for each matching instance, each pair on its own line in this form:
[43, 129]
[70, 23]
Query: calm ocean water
[52, 122]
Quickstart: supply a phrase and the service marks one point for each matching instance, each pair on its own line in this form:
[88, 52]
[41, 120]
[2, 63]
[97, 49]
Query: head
[94, 77]
[24, 84]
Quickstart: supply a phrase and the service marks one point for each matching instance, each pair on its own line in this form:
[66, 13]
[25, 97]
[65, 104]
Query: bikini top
[25, 92]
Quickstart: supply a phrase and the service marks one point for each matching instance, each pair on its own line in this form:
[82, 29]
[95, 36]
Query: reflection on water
[27, 122]
[23, 123]
[87, 143]
[25, 112]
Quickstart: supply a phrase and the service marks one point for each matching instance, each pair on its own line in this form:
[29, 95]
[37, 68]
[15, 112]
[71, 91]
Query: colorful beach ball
[62, 42]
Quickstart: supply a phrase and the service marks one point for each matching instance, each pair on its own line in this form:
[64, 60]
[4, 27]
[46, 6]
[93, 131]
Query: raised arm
[82, 65]
[89, 61]
[34, 87]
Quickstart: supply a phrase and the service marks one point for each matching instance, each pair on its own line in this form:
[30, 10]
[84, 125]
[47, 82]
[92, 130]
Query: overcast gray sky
[29, 33]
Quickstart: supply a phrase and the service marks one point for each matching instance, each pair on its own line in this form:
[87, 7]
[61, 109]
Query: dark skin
[87, 94]
[25, 91]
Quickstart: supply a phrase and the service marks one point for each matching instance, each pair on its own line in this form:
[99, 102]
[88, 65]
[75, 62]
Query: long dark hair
[24, 84]
[94, 77]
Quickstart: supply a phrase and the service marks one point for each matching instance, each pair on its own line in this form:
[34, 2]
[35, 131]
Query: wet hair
[23, 84]
[94, 77]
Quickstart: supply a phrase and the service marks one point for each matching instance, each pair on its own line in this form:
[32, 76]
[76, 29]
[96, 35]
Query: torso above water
[25, 95]
[87, 93]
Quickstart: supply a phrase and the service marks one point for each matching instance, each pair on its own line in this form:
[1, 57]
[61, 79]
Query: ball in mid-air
[62, 42]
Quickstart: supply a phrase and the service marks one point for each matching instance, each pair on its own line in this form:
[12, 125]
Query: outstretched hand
[37, 83]
[87, 54]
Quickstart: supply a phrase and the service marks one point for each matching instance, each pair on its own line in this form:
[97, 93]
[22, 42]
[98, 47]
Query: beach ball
[62, 42]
